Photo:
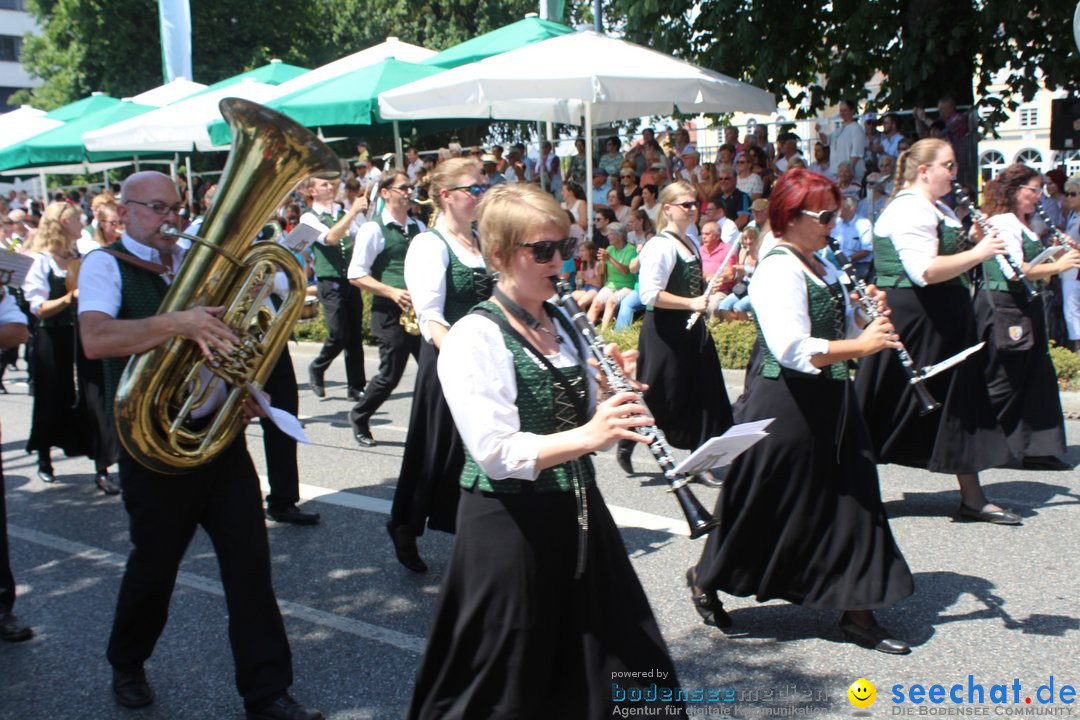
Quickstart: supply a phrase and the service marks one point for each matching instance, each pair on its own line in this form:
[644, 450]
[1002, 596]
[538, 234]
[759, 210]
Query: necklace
[524, 315]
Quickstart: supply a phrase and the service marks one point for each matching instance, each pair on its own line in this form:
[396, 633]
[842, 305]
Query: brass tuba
[162, 389]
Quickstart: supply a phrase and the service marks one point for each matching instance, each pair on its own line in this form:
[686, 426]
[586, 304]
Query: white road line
[624, 517]
[400, 640]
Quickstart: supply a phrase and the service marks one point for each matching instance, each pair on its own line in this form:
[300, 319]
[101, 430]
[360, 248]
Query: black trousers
[280, 449]
[395, 347]
[343, 310]
[7, 580]
[224, 498]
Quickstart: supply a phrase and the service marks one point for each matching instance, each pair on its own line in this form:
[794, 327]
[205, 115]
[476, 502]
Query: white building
[15, 22]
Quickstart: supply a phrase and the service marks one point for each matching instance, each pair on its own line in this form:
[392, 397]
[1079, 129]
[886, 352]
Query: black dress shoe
[292, 515]
[355, 395]
[1045, 462]
[284, 708]
[874, 637]
[708, 479]
[316, 382]
[622, 456]
[362, 433]
[405, 547]
[46, 475]
[131, 689]
[997, 517]
[106, 485]
[12, 629]
[707, 604]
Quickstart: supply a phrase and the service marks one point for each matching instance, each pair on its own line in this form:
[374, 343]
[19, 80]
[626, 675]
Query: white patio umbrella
[168, 93]
[583, 74]
[22, 123]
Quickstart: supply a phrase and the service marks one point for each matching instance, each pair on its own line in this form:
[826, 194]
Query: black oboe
[980, 220]
[870, 307]
[697, 516]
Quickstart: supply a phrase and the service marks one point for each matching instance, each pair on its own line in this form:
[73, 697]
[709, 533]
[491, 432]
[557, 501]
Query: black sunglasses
[544, 250]
[476, 189]
[688, 205]
[1072, 194]
[824, 216]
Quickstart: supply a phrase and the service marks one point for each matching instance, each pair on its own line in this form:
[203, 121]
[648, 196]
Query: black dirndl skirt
[686, 394]
[428, 484]
[516, 636]
[963, 435]
[56, 420]
[801, 517]
[1022, 384]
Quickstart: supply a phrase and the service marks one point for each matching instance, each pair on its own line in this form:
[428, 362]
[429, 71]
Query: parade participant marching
[801, 517]
[446, 276]
[378, 266]
[540, 608]
[343, 306]
[1019, 373]
[120, 289]
[686, 390]
[920, 260]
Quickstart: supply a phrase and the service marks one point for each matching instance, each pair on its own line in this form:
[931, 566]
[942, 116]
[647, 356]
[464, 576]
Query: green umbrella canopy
[274, 72]
[79, 108]
[515, 35]
[63, 145]
[342, 104]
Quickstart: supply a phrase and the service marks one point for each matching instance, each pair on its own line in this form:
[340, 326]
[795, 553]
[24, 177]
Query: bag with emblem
[1012, 330]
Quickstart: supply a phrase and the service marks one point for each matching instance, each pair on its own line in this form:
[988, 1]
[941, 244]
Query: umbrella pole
[399, 153]
[44, 190]
[190, 197]
[588, 169]
[543, 165]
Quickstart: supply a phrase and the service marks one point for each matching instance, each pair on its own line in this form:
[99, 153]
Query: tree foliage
[812, 54]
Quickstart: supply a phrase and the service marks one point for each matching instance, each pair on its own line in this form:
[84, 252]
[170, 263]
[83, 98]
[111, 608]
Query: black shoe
[46, 475]
[707, 604]
[131, 689]
[12, 629]
[1045, 462]
[622, 456]
[996, 517]
[362, 433]
[355, 395]
[316, 382]
[708, 479]
[874, 637]
[106, 485]
[284, 708]
[405, 548]
[292, 515]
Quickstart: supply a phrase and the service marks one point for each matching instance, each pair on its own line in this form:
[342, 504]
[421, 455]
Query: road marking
[400, 640]
[624, 517]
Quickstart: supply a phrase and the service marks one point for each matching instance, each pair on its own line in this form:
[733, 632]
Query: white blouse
[480, 387]
[780, 300]
[36, 285]
[912, 222]
[425, 274]
[657, 260]
[1011, 231]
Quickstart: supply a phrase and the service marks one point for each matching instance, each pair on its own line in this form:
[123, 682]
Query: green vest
[141, 293]
[890, 270]
[58, 289]
[827, 320]
[543, 408]
[332, 261]
[389, 265]
[994, 278]
[685, 278]
[465, 286]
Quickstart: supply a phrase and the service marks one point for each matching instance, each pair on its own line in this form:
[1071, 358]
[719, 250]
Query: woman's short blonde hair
[50, 235]
[447, 175]
[509, 214]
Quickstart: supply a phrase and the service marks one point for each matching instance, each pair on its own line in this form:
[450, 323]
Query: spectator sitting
[641, 228]
[573, 200]
[649, 195]
[845, 180]
[691, 171]
[821, 162]
[746, 179]
[611, 160]
[713, 253]
[614, 201]
[602, 217]
[736, 305]
[600, 188]
[494, 177]
[716, 213]
[591, 274]
[619, 279]
[788, 144]
[725, 154]
[856, 236]
[576, 169]
[736, 202]
[629, 192]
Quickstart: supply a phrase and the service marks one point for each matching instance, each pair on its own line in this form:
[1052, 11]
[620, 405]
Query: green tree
[814, 54]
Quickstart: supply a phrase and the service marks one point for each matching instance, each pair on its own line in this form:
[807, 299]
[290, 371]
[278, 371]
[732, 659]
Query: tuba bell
[162, 389]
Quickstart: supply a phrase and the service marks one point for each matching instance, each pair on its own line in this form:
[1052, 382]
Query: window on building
[13, 5]
[1070, 160]
[991, 163]
[1029, 116]
[1030, 157]
[5, 99]
[10, 47]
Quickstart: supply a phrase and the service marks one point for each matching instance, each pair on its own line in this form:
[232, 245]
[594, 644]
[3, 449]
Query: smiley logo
[862, 693]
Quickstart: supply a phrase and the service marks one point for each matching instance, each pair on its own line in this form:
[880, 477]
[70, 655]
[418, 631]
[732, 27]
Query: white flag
[175, 39]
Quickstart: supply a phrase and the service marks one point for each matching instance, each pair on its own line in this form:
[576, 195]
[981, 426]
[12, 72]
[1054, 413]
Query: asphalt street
[995, 603]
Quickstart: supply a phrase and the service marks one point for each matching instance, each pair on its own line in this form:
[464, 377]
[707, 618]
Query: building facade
[15, 22]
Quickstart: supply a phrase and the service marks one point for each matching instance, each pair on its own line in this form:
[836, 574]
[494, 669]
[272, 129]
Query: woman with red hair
[801, 517]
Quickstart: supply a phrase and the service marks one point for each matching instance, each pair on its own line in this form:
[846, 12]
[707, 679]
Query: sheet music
[13, 268]
[1048, 255]
[720, 451]
[932, 370]
[285, 421]
[306, 232]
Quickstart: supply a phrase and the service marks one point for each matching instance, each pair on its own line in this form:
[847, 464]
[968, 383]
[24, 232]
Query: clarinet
[713, 281]
[980, 220]
[1060, 237]
[870, 307]
[697, 516]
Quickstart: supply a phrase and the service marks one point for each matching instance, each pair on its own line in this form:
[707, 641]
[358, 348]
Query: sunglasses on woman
[544, 250]
[688, 205]
[824, 217]
[476, 189]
